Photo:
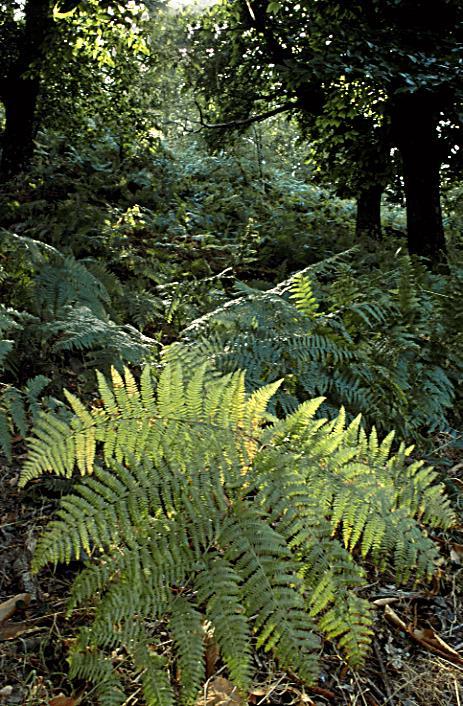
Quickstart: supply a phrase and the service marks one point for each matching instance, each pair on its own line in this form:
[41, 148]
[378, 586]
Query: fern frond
[79, 329]
[188, 635]
[208, 505]
[351, 626]
[219, 588]
[5, 348]
[303, 296]
[156, 686]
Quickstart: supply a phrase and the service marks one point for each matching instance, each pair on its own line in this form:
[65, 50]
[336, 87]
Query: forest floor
[415, 661]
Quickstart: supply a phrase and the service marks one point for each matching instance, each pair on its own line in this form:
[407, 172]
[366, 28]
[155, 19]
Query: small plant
[198, 505]
[18, 409]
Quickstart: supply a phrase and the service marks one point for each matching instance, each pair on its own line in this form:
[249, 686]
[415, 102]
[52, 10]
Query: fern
[18, 409]
[79, 329]
[72, 302]
[206, 507]
[301, 292]
[11, 322]
[68, 282]
[366, 348]
[188, 635]
[407, 296]
[59, 280]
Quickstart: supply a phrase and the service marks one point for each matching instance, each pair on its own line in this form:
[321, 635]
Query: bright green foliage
[207, 507]
[303, 296]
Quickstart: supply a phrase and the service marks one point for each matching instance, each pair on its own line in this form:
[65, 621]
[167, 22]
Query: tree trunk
[368, 221]
[20, 101]
[19, 90]
[424, 214]
[416, 119]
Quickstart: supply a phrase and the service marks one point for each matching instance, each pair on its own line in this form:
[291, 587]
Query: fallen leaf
[456, 553]
[5, 692]
[11, 630]
[429, 637]
[9, 607]
[385, 601]
[426, 637]
[62, 700]
[220, 692]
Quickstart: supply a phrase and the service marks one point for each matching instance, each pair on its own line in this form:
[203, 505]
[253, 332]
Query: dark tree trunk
[368, 221]
[424, 215]
[415, 126]
[20, 102]
[19, 90]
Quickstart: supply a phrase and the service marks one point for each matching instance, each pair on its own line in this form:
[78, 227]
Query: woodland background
[187, 192]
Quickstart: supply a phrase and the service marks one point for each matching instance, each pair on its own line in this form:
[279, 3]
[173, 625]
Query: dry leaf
[5, 692]
[11, 630]
[426, 637]
[456, 553]
[212, 656]
[9, 607]
[385, 601]
[429, 637]
[220, 692]
[63, 700]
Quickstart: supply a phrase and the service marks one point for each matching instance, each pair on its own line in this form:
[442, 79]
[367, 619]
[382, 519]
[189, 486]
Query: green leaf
[273, 8]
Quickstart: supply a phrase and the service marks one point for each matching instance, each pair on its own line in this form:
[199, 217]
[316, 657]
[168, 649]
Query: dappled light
[231, 352]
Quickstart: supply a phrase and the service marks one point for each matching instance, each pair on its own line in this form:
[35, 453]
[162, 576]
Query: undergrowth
[231, 494]
[387, 344]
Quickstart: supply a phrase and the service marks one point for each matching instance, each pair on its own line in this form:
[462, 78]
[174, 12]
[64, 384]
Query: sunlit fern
[198, 505]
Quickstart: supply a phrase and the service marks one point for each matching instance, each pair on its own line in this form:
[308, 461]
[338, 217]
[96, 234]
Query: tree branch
[309, 93]
[244, 122]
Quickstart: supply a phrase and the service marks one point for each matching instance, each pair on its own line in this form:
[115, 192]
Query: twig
[457, 692]
[272, 689]
[361, 689]
[387, 686]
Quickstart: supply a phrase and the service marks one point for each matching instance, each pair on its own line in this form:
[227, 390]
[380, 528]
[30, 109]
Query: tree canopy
[363, 78]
